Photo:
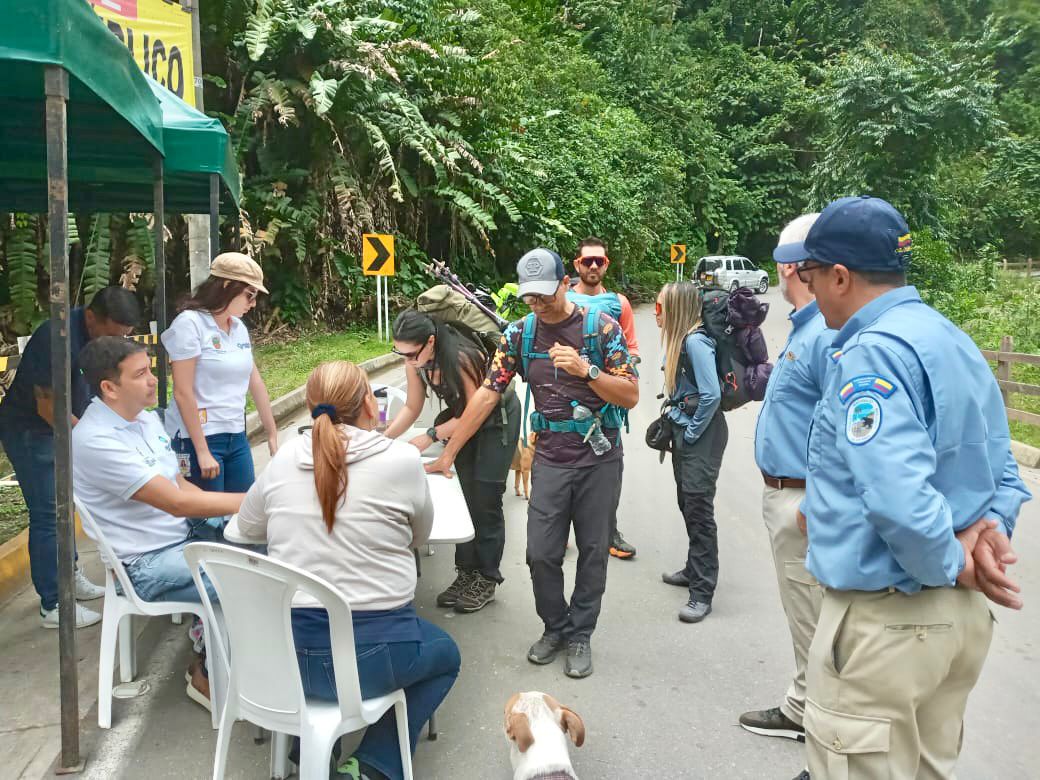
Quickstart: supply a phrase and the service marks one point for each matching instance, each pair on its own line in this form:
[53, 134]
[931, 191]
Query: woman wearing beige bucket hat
[213, 369]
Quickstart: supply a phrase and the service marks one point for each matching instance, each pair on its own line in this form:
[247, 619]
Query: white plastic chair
[264, 687]
[117, 627]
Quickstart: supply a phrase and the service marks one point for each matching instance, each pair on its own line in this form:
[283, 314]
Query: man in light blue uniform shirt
[781, 439]
[912, 496]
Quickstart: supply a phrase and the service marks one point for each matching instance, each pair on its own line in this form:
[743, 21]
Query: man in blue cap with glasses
[911, 499]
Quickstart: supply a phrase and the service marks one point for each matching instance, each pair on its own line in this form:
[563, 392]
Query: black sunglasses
[544, 300]
[805, 267]
[408, 355]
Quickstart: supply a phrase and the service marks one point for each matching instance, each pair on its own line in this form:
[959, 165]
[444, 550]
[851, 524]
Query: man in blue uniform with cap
[911, 499]
[781, 435]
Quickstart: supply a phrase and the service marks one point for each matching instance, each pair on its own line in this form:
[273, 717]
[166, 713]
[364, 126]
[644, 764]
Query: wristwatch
[594, 373]
[432, 433]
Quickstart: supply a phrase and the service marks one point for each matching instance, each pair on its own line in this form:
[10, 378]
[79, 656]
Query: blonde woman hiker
[699, 435]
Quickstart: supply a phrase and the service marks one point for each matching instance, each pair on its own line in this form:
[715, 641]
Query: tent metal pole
[159, 218]
[214, 215]
[56, 87]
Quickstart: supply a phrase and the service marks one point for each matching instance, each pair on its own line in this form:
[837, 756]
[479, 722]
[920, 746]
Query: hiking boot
[694, 612]
[679, 578]
[772, 723]
[478, 594]
[545, 650]
[619, 548]
[449, 597]
[579, 658]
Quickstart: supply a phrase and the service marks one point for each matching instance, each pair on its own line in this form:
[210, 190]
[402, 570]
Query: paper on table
[451, 520]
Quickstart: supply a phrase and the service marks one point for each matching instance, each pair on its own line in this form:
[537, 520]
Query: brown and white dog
[522, 460]
[538, 725]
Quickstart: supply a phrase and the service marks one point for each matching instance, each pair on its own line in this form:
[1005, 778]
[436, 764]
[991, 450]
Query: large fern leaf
[258, 30]
[97, 264]
[468, 208]
[22, 257]
[385, 160]
[140, 240]
[324, 92]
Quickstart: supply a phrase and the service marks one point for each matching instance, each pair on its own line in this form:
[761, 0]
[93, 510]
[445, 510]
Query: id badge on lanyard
[184, 464]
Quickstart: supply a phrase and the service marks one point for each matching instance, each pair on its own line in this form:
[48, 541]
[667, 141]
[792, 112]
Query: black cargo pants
[586, 498]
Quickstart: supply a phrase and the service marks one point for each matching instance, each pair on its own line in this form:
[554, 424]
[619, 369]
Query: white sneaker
[84, 617]
[85, 589]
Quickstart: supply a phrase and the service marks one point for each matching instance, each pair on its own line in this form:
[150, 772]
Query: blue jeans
[32, 456]
[163, 575]
[231, 451]
[426, 670]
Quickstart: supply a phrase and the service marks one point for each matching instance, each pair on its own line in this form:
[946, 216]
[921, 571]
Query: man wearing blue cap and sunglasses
[912, 495]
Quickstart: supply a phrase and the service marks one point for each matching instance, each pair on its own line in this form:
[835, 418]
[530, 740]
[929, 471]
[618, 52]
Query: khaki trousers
[888, 680]
[800, 594]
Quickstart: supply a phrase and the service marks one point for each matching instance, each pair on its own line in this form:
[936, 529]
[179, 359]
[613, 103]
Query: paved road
[665, 697]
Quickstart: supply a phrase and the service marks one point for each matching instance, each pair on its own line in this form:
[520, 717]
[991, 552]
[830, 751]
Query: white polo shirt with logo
[225, 363]
[113, 458]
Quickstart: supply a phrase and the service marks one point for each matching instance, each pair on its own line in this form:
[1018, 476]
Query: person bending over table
[453, 365]
[349, 505]
[125, 473]
[27, 435]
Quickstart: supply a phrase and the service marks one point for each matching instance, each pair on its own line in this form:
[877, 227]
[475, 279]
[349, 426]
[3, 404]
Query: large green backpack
[449, 305]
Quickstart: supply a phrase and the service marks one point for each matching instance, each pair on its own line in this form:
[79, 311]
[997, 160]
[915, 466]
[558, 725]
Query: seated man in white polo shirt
[126, 474]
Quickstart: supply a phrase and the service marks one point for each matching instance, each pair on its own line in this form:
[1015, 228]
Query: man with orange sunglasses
[591, 264]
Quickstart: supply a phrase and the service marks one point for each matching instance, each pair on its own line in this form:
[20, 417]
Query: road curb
[288, 404]
[1026, 454]
[14, 563]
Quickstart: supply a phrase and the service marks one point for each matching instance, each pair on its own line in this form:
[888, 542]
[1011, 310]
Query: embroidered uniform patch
[863, 420]
[866, 382]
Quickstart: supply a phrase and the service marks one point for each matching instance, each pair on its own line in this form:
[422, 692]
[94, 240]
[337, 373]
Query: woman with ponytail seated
[349, 505]
[449, 360]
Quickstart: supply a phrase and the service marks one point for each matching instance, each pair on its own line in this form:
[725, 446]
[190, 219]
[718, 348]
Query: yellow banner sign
[678, 254]
[158, 35]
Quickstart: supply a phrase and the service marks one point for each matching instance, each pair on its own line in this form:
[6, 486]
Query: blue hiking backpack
[608, 302]
[610, 416]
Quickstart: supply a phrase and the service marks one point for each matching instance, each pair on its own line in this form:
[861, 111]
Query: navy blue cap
[861, 233]
[539, 272]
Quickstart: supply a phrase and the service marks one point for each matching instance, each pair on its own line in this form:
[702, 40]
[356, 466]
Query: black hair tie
[321, 409]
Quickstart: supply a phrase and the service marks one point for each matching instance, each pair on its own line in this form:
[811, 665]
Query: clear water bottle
[383, 402]
[600, 444]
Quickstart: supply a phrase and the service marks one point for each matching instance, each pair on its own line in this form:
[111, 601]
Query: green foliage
[475, 130]
[21, 255]
[97, 265]
[956, 288]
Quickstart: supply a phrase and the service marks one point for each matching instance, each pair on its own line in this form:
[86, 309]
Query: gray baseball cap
[539, 272]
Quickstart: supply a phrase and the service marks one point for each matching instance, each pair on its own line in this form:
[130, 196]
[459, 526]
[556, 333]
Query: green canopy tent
[79, 126]
[200, 163]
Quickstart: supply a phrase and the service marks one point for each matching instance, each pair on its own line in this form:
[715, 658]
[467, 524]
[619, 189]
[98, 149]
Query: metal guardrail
[1005, 357]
